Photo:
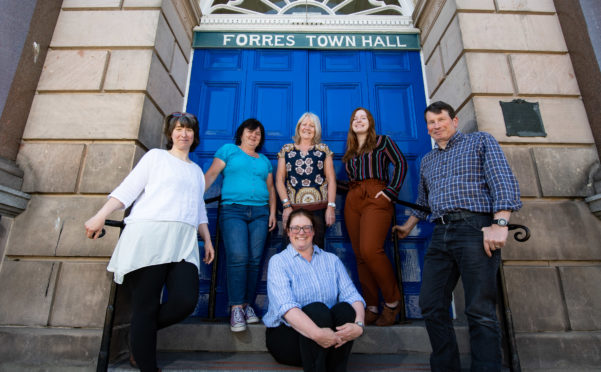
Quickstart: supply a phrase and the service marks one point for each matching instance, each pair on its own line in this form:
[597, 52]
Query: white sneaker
[237, 322]
[250, 316]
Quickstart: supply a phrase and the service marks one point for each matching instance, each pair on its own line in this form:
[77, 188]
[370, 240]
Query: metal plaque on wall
[522, 119]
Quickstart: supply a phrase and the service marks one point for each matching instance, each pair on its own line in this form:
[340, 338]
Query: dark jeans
[149, 315]
[290, 347]
[457, 250]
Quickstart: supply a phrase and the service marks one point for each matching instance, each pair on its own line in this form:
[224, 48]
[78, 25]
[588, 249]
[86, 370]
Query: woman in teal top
[247, 214]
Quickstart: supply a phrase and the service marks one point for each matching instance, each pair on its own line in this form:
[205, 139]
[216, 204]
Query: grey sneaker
[250, 316]
[237, 322]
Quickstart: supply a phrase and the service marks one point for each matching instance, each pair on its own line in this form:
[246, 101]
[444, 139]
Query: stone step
[194, 335]
[196, 345]
[262, 361]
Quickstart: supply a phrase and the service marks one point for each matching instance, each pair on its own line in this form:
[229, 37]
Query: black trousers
[149, 314]
[289, 347]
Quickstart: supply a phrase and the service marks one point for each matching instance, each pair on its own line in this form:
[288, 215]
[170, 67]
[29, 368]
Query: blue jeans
[244, 229]
[457, 250]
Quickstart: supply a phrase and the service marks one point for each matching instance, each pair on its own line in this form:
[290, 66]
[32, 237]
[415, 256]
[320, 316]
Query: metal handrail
[214, 267]
[512, 349]
[399, 274]
[109, 317]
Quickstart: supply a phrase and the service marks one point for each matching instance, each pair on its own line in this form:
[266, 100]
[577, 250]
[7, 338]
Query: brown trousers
[367, 222]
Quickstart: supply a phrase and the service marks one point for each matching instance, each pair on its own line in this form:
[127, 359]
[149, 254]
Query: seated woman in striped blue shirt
[315, 312]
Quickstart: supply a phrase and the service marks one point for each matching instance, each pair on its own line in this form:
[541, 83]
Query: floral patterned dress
[306, 181]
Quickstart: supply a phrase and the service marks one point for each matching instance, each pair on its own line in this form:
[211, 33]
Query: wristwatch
[360, 324]
[331, 204]
[500, 222]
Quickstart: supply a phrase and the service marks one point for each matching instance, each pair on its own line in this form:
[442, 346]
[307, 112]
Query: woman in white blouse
[159, 246]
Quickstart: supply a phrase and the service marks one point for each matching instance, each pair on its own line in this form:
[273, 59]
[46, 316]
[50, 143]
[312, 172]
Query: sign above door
[289, 40]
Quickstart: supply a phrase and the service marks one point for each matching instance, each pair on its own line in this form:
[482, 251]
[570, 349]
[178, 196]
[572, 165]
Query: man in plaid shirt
[471, 191]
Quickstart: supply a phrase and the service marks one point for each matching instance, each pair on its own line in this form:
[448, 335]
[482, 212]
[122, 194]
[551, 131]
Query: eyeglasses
[296, 229]
[180, 114]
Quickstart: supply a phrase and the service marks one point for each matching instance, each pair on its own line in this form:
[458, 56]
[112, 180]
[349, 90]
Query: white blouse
[168, 207]
[164, 188]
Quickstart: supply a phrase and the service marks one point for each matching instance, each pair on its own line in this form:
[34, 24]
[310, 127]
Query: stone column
[480, 52]
[114, 69]
[581, 24]
[25, 31]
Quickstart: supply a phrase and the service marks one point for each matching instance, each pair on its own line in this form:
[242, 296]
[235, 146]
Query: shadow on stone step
[216, 337]
[261, 361]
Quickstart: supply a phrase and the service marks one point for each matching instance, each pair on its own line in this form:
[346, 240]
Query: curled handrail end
[114, 223]
[520, 236]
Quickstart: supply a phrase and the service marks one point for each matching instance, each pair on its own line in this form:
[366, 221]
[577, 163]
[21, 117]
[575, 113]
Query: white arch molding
[307, 15]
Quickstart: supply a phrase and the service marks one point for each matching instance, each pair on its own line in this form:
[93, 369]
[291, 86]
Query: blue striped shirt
[293, 282]
[471, 173]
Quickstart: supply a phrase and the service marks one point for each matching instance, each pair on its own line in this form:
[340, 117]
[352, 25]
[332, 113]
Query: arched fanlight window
[317, 7]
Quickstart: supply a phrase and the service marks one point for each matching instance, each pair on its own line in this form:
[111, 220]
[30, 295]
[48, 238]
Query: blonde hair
[315, 119]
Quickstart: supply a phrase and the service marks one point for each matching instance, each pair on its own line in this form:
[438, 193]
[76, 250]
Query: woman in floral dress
[305, 177]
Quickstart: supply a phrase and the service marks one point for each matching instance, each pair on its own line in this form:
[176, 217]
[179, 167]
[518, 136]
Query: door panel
[390, 62]
[263, 98]
[217, 101]
[398, 95]
[276, 87]
[333, 97]
[217, 95]
[337, 85]
[392, 102]
[276, 82]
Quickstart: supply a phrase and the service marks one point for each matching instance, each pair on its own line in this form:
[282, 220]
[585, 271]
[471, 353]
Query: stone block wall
[480, 52]
[114, 69]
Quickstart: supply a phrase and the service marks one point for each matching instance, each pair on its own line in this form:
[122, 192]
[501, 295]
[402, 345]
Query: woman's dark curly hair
[250, 124]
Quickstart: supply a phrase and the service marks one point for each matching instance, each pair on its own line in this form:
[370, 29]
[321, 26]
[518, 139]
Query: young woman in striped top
[368, 211]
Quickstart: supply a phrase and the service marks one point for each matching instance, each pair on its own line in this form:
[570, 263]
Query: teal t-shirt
[244, 177]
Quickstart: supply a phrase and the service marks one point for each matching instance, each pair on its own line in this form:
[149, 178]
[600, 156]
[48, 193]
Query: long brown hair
[352, 144]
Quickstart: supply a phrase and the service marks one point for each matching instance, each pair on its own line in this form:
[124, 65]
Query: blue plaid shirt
[293, 281]
[471, 173]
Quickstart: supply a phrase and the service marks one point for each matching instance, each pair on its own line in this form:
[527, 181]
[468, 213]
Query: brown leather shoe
[370, 317]
[388, 316]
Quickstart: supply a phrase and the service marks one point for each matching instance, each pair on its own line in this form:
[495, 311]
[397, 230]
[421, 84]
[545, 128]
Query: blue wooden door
[390, 85]
[276, 87]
